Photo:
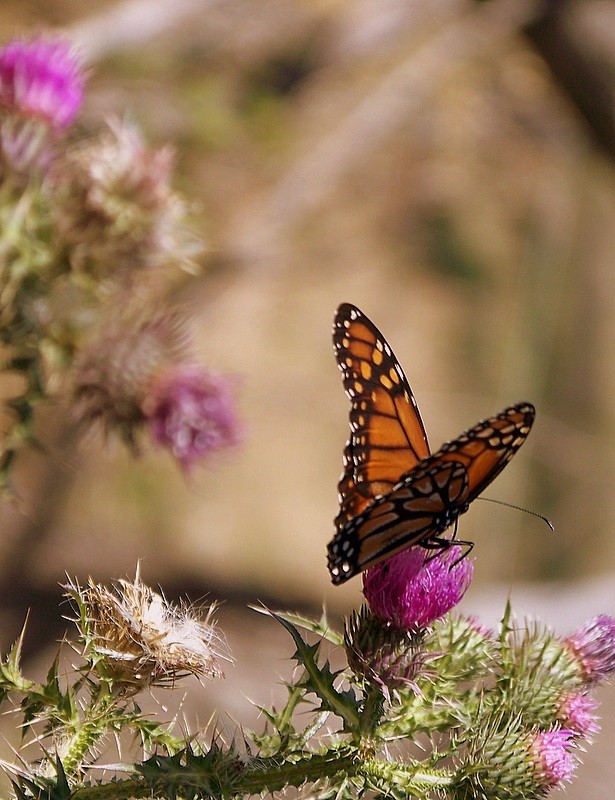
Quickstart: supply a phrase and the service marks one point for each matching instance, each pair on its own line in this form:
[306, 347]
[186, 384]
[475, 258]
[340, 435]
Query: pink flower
[411, 593]
[593, 646]
[191, 412]
[553, 760]
[41, 78]
[577, 713]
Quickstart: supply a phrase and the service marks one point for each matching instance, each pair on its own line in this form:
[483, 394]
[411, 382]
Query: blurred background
[446, 166]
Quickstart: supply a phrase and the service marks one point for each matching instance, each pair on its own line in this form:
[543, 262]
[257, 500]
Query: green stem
[116, 790]
[268, 775]
[97, 721]
[16, 205]
[21, 433]
[74, 752]
[371, 713]
[296, 695]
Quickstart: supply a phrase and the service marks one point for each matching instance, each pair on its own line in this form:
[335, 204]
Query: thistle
[411, 592]
[116, 212]
[409, 699]
[93, 238]
[191, 412]
[473, 698]
[41, 91]
[130, 639]
[138, 376]
[135, 638]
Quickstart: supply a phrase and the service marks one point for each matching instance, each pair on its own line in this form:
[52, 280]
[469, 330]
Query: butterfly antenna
[546, 520]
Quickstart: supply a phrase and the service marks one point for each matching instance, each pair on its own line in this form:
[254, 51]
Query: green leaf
[11, 678]
[41, 787]
[62, 789]
[185, 774]
[320, 680]
[320, 627]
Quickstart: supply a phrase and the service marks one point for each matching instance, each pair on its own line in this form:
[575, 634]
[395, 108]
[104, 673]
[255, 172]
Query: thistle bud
[553, 761]
[576, 712]
[462, 648]
[384, 656]
[593, 647]
[508, 761]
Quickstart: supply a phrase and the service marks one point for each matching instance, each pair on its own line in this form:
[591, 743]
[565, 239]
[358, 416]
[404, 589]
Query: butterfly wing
[387, 435]
[486, 449]
[430, 497]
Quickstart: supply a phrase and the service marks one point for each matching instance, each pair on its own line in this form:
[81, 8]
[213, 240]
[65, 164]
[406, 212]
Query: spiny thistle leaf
[151, 733]
[213, 774]
[11, 678]
[62, 789]
[320, 680]
[320, 627]
[43, 788]
[49, 701]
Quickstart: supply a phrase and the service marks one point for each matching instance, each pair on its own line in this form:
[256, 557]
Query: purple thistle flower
[41, 78]
[553, 760]
[191, 412]
[576, 712]
[593, 646]
[411, 593]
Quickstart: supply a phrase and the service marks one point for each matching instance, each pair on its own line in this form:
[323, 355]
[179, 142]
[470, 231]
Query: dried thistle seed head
[116, 211]
[139, 639]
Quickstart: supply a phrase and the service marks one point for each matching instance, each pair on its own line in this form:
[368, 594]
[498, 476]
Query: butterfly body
[393, 493]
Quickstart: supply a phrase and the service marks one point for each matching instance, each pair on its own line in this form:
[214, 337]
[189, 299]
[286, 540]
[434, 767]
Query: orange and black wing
[487, 448]
[431, 496]
[387, 436]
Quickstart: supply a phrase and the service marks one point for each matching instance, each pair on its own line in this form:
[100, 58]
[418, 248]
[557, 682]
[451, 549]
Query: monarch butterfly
[393, 492]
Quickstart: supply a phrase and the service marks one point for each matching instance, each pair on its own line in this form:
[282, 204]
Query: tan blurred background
[446, 166]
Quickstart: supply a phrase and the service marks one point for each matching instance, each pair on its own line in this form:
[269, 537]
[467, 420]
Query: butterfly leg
[440, 545]
[461, 542]
[469, 546]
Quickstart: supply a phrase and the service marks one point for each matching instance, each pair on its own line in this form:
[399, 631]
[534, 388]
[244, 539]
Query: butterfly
[394, 493]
